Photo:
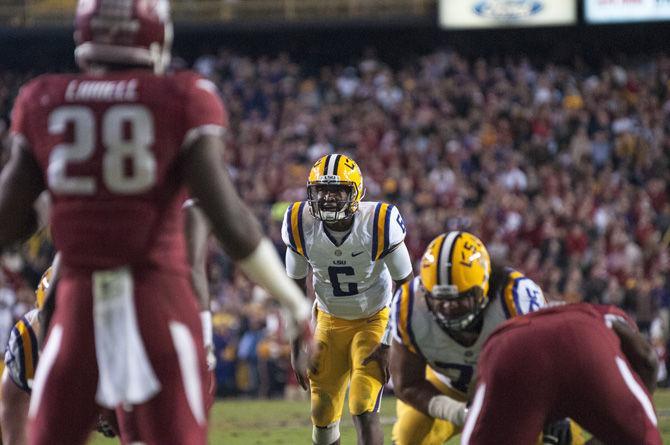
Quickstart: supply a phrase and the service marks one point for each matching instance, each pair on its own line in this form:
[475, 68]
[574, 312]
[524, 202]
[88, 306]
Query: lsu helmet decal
[334, 188]
[455, 271]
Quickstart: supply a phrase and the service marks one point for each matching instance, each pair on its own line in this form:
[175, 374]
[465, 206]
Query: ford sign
[507, 9]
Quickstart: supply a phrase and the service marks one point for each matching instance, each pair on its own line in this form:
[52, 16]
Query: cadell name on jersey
[101, 90]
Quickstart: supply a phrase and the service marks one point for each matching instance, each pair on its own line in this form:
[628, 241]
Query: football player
[21, 358]
[355, 249]
[117, 146]
[440, 322]
[529, 364]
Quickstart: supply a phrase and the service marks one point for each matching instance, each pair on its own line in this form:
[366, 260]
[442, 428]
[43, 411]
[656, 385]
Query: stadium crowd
[562, 171]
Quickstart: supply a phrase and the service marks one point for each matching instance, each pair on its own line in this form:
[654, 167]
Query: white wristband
[446, 408]
[207, 332]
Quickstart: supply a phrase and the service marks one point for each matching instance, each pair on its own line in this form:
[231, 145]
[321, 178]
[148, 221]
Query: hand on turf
[107, 424]
[380, 354]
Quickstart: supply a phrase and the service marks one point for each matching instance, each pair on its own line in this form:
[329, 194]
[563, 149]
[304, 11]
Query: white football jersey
[350, 278]
[21, 352]
[511, 294]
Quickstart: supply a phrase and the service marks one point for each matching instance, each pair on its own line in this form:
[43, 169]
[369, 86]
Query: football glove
[557, 433]
[104, 426]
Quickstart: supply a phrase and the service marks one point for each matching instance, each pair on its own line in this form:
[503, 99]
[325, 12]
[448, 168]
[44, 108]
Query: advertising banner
[468, 14]
[623, 11]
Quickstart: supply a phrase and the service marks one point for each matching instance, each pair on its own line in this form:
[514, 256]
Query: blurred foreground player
[115, 147]
[597, 370]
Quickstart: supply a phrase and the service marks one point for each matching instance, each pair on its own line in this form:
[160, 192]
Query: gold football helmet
[334, 188]
[455, 271]
[43, 287]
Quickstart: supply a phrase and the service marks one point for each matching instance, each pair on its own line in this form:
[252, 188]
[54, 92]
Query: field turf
[252, 422]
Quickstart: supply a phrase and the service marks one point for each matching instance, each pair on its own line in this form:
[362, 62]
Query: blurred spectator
[562, 170]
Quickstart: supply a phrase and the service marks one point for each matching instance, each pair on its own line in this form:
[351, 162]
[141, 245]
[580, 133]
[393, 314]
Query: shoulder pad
[521, 295]
[293, 231]
[401, 315]
[388, 230]
[22, 353]
[204, 113]
[611, 313]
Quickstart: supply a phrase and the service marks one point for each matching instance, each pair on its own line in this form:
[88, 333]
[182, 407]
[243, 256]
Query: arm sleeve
[20, 115]
[399, 262]
[297, 265]
[204, 112]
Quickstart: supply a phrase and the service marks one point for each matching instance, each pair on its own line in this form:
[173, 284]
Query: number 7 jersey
[109, 148]
[511, 295]
[351, 280]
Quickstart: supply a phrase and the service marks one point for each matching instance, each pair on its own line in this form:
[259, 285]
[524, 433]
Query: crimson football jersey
[109, 148]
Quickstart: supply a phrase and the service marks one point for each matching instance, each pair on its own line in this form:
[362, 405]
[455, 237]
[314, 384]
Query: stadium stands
[41, 12]
[562, 169]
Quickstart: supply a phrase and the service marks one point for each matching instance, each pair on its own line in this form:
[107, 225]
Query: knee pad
[327, 434]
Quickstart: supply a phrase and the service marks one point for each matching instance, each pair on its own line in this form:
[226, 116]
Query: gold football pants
[341, 346]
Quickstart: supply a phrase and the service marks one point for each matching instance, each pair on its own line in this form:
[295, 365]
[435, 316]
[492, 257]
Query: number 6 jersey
[351, 278]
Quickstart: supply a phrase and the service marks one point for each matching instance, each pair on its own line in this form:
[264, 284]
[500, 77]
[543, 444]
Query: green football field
[251, 422]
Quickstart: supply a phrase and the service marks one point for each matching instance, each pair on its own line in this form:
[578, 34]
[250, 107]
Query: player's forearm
[197, 232]
[13, 413]
[20, 185]
[408, 371]
[239, 232]
[15, 225]
[417, 393]
[640, 354]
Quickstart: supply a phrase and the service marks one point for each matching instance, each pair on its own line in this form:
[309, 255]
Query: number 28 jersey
[351, 280]
[108, 146]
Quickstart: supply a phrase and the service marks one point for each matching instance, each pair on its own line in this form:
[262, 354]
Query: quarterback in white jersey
[356, 251]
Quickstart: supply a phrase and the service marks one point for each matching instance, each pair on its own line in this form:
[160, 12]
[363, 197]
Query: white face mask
[331, 202]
